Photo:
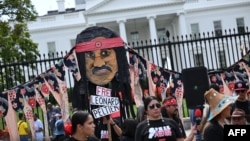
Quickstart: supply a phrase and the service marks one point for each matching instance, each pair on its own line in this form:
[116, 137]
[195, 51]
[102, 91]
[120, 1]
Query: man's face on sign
[101, 65]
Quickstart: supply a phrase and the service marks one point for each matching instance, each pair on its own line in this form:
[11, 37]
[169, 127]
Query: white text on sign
[237, 132]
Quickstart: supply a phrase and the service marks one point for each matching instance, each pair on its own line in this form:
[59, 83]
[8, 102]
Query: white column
[182, 23]
[122, 29]
[183, 31]
[152, 28]
[154, 39]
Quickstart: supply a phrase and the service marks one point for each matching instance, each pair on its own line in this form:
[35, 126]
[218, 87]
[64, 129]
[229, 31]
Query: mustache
[95, 69]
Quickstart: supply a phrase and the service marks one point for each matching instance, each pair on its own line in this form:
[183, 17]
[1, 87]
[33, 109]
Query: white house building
[137, 20]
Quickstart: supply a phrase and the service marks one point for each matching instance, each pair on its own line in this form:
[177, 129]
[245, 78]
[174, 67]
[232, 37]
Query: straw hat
[217, 102]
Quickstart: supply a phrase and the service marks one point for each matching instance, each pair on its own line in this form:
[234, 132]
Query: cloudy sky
[42, 6]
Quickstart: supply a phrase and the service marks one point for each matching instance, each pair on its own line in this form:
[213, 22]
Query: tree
[16, 47]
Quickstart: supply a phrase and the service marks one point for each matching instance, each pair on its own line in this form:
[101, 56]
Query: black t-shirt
[214, 132]
[102, 131]
[157, 130]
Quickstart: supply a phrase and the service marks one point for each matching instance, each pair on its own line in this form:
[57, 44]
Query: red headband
[170, 102]
[99, 44]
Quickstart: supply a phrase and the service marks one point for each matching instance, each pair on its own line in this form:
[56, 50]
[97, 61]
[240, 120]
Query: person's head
[241, 88]
[152, 108]
[162, 78]
[155, 78]
[102, 61]
[49, 105]
[168, 91]
[21, 116]
[214, 86]
[99, 46]
[219, 104]
[238, 117]
[170, 104]
[82, 123]
[35, 116]
[58, 116]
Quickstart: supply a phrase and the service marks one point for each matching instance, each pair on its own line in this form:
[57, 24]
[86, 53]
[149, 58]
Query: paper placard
[105, 110]
[104, 101]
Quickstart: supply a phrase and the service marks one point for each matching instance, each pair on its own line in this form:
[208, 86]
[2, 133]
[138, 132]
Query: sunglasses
[240, 91]
[157, 105]
[237, 118]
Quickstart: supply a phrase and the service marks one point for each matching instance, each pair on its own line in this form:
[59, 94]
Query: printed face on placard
[101, 65]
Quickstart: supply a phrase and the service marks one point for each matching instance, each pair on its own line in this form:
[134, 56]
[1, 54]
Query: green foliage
[15, 43]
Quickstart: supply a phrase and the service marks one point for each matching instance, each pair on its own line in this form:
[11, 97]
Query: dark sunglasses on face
[237, 118]
[240, 91]
[157, 105]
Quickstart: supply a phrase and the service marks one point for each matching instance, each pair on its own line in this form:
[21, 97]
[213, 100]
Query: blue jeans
[24, 137]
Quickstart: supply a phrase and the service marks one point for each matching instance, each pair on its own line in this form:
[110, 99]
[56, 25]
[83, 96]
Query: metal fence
[215, 51]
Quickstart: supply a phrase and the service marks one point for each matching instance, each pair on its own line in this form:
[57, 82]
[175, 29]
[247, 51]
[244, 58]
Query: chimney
[60, 4]
[80, 4]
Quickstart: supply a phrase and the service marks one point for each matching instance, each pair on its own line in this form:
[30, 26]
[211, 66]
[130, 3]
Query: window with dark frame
[134, 37]
[72, 42]
[240, 25]
[222, 59]
[217, 28]
[195, 30]
[161, 34]
[51, 49]
[198, 59]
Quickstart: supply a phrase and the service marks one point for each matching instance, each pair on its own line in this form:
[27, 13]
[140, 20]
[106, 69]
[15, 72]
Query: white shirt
[39, 135]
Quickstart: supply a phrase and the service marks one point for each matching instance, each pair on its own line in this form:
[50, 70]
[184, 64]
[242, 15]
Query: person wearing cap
[238, 117]
[220, 107]
[242, 102]
[59, 128]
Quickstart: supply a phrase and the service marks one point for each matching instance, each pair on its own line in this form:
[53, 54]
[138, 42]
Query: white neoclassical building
[137, 20]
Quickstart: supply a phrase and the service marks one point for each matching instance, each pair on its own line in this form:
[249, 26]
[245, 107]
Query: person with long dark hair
[156, 127]
[83, 127]
[170, 110]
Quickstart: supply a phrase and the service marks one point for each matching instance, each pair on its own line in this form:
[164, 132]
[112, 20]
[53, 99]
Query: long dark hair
[120, 84]
[78, 117]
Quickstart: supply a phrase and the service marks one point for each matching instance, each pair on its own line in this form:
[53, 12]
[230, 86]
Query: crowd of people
[160, 121]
